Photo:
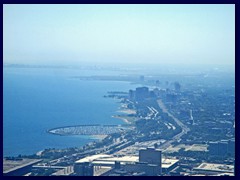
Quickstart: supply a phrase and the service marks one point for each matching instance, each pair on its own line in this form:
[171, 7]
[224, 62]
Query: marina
[89, 130]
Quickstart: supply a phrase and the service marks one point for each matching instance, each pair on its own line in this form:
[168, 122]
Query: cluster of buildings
[140, 94]
[148, 163]
[222, 148]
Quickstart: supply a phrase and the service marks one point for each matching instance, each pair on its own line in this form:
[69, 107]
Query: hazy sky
[73, 34]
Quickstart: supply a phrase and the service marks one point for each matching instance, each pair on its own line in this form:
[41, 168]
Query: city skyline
[119, 90]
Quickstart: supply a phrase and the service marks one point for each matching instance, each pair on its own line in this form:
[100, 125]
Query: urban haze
[119, 90]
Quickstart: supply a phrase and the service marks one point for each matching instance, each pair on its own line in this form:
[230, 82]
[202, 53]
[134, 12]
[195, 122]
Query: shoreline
[127, 111]
[98, 137]
[124, 119]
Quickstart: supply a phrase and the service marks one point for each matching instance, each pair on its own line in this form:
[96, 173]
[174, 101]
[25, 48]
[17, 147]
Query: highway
[106, 149]
[177, 137]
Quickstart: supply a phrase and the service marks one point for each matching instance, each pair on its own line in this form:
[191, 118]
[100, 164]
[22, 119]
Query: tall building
[131, 95]
[141, 93]
[150, 155]
[83, 169]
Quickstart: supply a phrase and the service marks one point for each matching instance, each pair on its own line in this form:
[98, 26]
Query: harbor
[89, 130]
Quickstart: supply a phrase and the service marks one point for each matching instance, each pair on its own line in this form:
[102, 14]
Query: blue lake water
[38, 99]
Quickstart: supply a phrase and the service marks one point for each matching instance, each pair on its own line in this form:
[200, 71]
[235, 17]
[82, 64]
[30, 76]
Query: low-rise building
[18, 166]
[214, 169]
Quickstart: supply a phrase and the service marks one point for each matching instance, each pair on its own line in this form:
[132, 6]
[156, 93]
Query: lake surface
[38, 99]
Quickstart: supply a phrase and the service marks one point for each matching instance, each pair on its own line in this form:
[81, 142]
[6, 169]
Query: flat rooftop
[150, 149]
[215, 167]
[194, 147]
[92, 158]
[105, 159]
[121, 159]
[166, 163]
[12, 165]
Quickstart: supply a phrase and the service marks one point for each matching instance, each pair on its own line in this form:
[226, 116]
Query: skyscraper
[151, 156]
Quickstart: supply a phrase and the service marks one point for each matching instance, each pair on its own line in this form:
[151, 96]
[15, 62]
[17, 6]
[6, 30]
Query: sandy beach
[122, 118]
[127, 111]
